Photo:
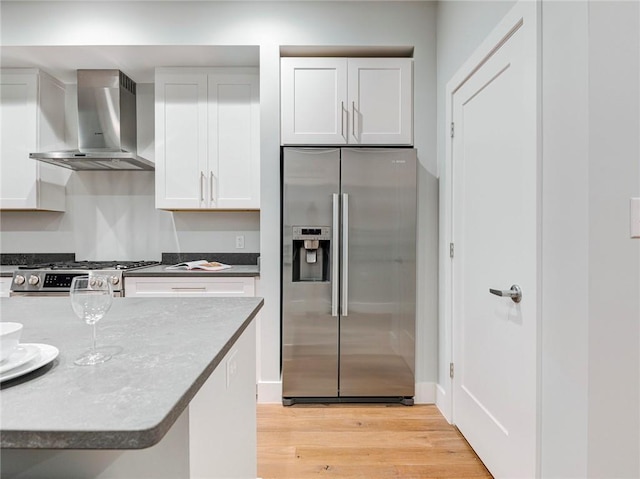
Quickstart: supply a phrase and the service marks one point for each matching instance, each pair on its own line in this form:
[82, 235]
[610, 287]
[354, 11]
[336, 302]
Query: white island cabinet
[207, 138]
[32, 113]
[339, 101]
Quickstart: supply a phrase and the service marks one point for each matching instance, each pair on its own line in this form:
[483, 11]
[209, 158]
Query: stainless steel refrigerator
[348, 274]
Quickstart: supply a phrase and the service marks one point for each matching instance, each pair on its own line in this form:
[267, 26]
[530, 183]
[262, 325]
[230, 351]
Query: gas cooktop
[90, 265]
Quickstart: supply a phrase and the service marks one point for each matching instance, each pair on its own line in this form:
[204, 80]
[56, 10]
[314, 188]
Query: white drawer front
[200, 286]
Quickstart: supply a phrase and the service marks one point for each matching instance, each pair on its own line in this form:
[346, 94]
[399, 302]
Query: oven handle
[33, 294]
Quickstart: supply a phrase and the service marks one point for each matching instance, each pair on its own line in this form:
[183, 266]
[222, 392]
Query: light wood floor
[357, 441]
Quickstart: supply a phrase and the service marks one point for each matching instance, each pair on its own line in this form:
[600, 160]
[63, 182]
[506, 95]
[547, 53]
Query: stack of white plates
[26, 358]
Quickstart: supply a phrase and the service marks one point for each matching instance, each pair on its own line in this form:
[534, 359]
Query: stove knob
[19, 279]
[115, 280]
[33, 280]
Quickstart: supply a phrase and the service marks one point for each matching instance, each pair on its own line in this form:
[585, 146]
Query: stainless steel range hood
[106, 125]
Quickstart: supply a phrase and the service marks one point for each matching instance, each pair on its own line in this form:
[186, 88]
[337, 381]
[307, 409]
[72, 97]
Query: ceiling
[138, 62]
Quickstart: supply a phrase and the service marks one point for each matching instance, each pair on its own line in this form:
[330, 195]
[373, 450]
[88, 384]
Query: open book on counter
[201, 264]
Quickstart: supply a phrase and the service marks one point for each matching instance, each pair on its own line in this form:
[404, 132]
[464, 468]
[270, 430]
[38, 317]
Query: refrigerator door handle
[345, 255]
[335, 238]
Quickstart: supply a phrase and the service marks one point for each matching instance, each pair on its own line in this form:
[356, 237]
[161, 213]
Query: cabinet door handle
[353, 119]
[342, 120]
[213, 188]
[202, 186]
[185, 288]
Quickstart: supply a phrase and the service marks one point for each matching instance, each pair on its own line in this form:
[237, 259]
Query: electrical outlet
[232, 369]
[240, 242]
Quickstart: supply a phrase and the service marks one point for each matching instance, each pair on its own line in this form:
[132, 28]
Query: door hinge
[450, 250]
[451, 370]
[452, 129]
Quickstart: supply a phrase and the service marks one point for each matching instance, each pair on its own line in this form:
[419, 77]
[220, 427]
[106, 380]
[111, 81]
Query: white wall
[614, 276]
[565, 267]
[267, 25]
[590, 385]
[591, 273]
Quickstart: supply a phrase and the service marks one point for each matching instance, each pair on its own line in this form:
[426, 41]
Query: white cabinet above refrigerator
[338, 101]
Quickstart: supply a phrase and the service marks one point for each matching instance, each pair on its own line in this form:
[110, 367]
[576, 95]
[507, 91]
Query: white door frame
[529, 11]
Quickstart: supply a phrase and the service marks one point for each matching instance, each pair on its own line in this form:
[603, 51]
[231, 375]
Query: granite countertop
[160, 270]
[163, 350]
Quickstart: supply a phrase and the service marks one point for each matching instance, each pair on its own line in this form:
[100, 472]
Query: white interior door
[495, 235]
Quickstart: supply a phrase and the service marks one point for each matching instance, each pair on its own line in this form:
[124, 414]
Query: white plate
[47, 353]
[23, 354]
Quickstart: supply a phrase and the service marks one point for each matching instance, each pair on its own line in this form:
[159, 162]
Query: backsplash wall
[112, 215]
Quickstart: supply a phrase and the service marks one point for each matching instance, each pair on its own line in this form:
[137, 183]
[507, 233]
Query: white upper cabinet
[338, 101]
[314, 101]
[380, 101]
[234, 132]
[31, 120]
[207, 139]
[181, 140]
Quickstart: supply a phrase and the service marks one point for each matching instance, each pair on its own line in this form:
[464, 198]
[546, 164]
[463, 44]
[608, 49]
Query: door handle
[515, 293]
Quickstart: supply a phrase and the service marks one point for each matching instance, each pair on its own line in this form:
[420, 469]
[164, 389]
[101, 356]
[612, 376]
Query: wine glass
[91, 298]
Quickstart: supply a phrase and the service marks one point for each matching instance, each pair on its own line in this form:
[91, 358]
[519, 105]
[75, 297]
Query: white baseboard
[443, 401]
[425, 393]
[270, 392]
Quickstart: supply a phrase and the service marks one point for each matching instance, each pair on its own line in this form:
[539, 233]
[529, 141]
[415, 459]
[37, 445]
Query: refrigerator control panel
[311, 232]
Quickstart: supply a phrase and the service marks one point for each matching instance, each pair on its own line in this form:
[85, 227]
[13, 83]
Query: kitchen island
[177, 400]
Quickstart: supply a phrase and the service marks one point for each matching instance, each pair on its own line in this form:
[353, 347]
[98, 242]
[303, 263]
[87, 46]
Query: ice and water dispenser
[311, 253]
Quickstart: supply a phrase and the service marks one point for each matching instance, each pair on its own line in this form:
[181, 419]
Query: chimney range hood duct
[106, 125]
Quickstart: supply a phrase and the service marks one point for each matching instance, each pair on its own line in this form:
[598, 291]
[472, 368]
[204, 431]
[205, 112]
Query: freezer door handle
[345, 255]
[334, 254]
